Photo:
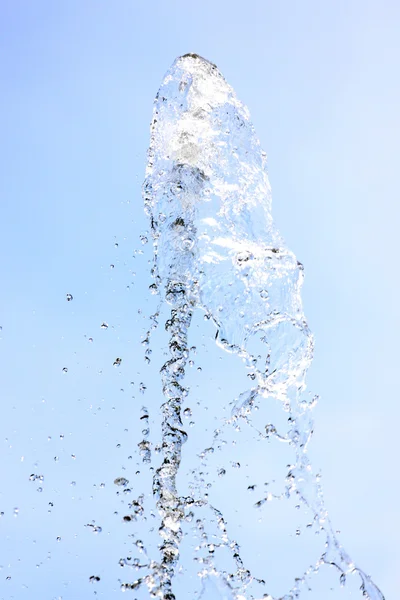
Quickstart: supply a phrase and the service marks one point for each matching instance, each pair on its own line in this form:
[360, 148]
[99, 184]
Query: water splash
[216, 248]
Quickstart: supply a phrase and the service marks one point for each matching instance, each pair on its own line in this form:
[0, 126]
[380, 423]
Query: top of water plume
[208, 198]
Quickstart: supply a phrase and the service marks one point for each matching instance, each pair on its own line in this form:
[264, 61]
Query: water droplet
[153, 289]
[65, 370]
[69, 297]
[104, 325]
[94, 578]
[58, 538]
[264, 294]
[117, 362]
[94, 528]
[221, 472]
[121, 481]
[187, 412]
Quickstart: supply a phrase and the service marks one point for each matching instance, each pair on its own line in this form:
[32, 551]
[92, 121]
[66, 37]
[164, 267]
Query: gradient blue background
[321, 80]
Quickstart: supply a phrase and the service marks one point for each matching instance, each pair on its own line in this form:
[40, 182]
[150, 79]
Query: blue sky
[77, 82]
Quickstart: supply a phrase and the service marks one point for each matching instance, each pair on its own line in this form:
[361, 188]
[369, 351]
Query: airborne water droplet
[121, 481]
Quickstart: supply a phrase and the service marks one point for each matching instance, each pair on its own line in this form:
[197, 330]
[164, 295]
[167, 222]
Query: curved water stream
[216, 250]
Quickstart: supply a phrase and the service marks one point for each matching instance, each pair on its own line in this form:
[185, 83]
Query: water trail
[173, 436]
[216, 248]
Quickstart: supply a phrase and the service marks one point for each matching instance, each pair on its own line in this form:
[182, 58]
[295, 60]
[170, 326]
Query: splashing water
[216, 249]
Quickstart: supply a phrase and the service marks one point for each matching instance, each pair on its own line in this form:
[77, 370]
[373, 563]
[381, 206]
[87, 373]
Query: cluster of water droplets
[216, 249]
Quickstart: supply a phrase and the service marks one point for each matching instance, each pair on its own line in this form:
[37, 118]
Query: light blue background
[77, 82]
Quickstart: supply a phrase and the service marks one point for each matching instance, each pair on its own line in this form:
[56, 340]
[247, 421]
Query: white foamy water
[218, 253]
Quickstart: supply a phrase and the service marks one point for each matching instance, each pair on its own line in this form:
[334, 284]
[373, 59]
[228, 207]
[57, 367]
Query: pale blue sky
[77, 82]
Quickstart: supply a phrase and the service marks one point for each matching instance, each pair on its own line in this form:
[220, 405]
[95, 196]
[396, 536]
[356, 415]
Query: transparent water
[217, 251]
[158, 446]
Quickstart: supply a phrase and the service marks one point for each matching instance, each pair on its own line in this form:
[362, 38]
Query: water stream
[217, 252]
